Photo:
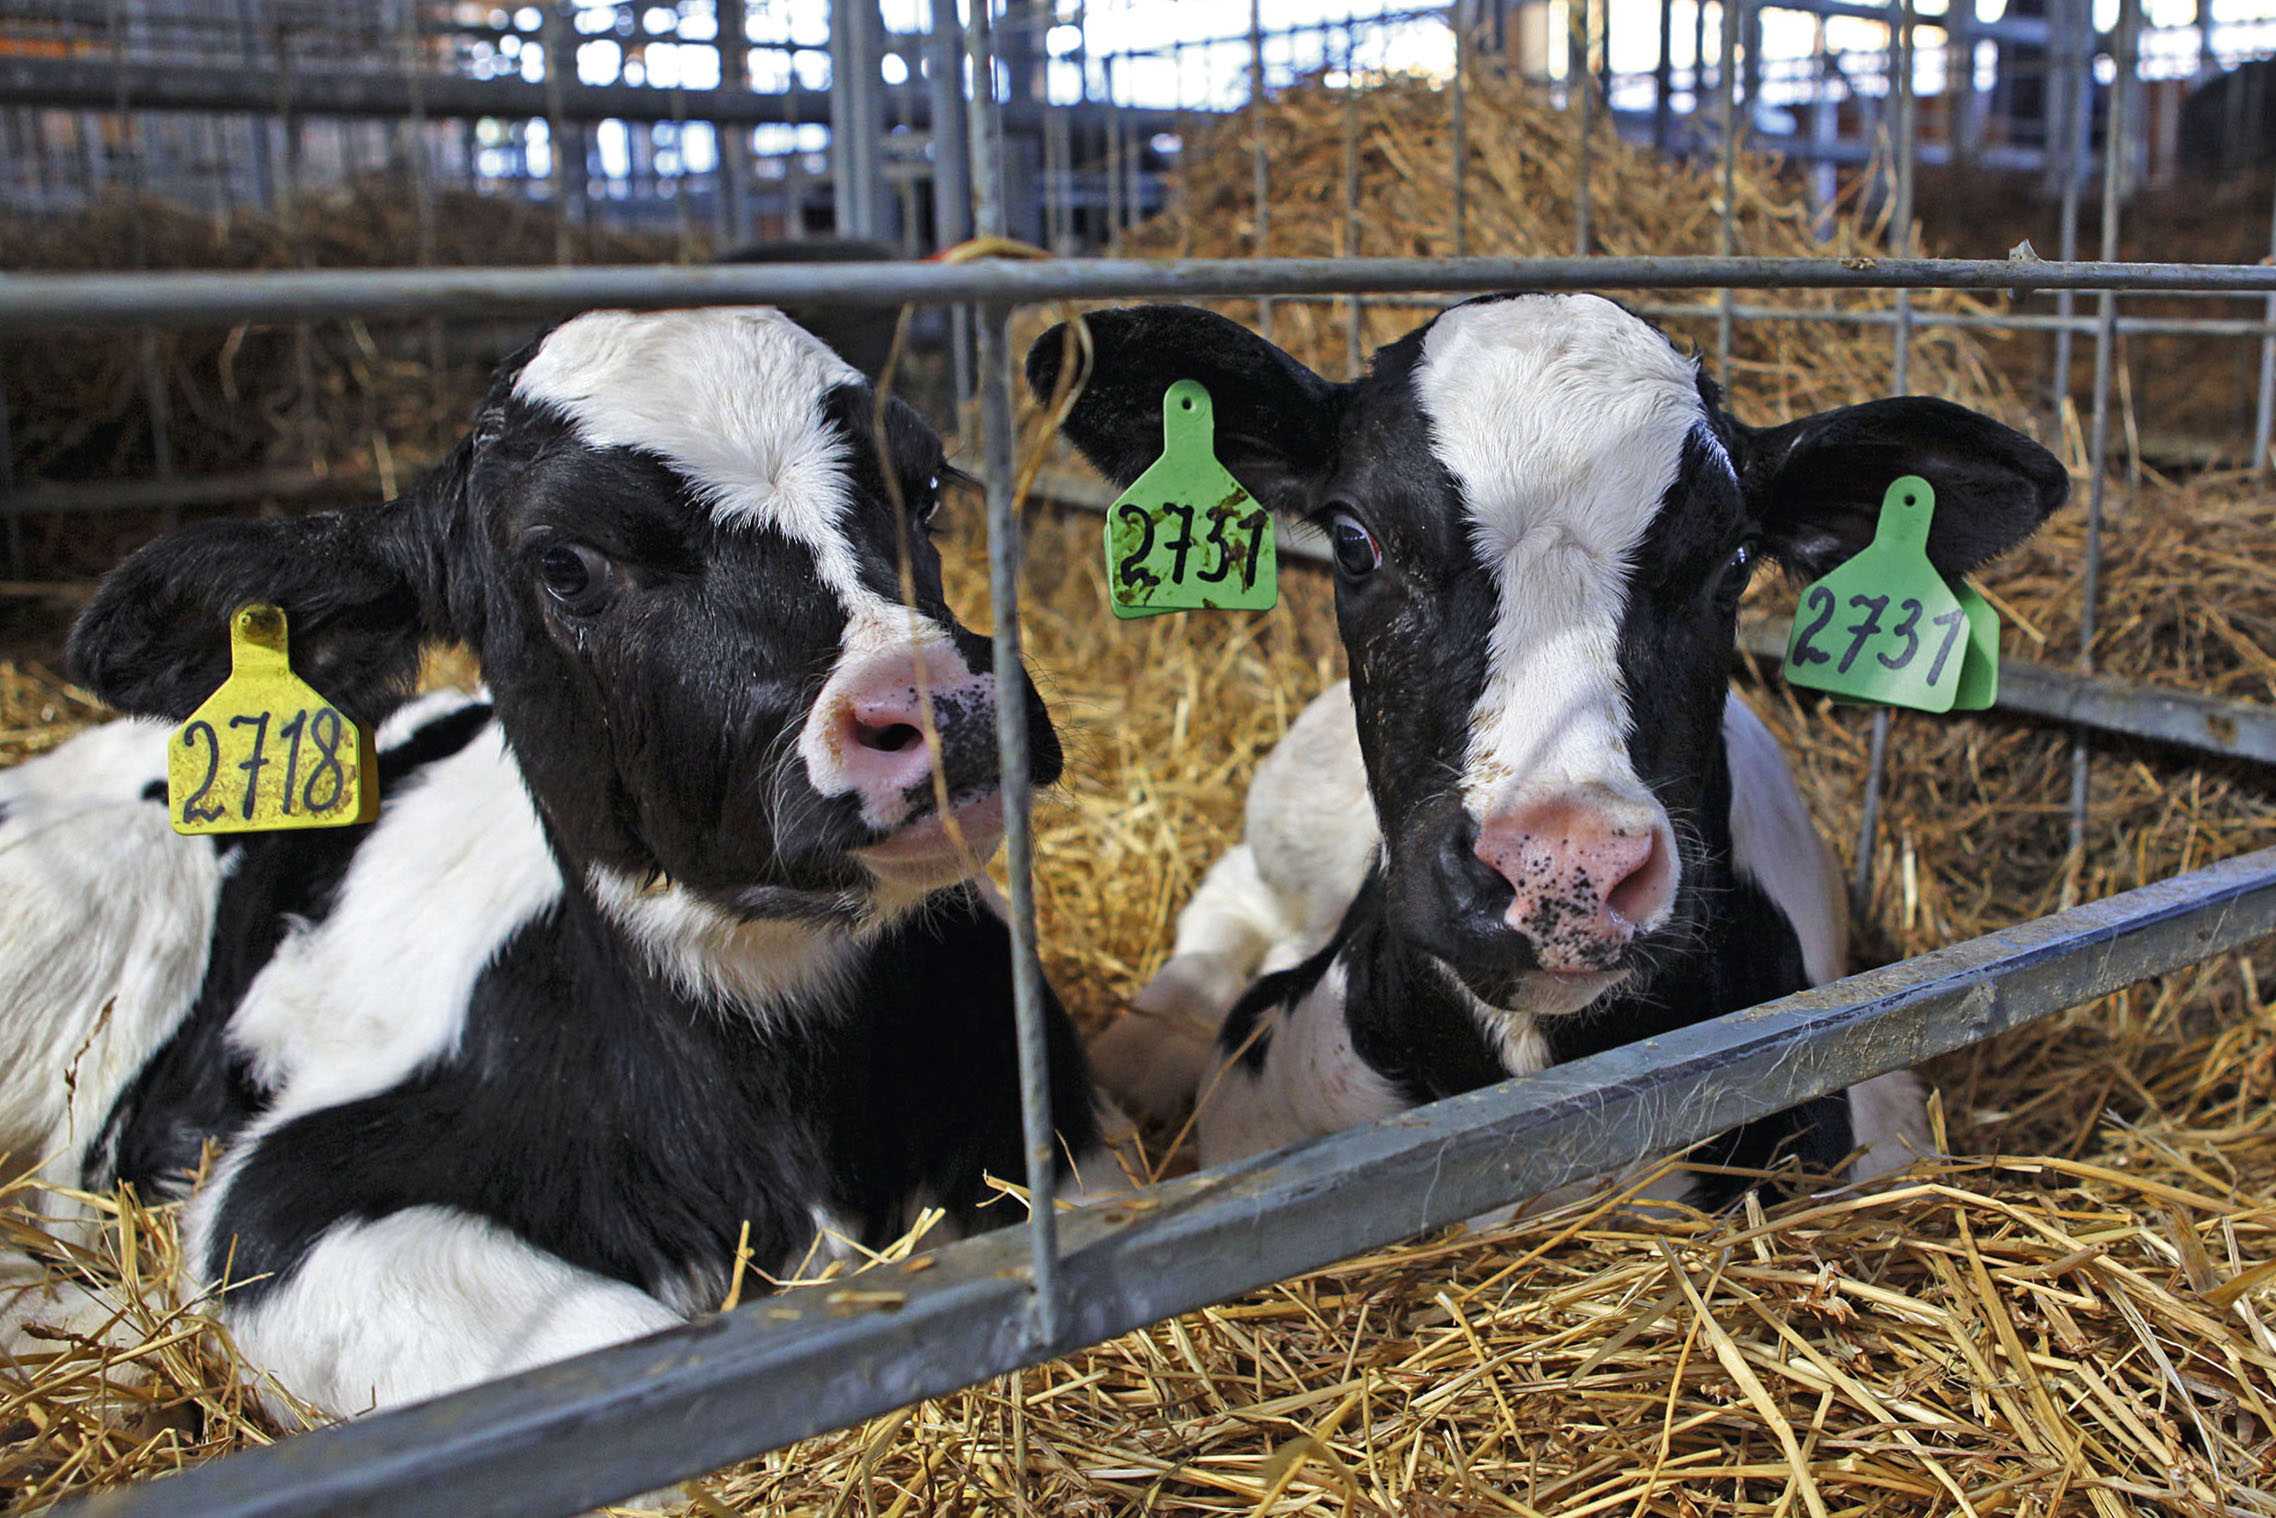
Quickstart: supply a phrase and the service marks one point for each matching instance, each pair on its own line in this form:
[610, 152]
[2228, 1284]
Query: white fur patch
[729, 396]
[107, 918]
[1775, 845]
[1563, 419]
[355, 1003]
[1888, 1122]
[1313, 1083]
[425, 1301]
[712, 956]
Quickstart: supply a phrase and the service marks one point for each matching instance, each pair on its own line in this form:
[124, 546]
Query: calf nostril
[1641, 890]
[887, 738]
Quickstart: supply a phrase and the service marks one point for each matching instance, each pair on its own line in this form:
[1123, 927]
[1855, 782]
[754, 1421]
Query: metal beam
[83, 84]
[631, 1418]
[2229, 729]
[49, 300]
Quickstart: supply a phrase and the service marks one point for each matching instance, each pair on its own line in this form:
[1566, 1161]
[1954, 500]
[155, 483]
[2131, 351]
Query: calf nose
[1589, 871]
[884, 743]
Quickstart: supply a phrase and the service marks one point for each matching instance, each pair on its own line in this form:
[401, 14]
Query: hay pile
[2073, 1315]
[1523, 166]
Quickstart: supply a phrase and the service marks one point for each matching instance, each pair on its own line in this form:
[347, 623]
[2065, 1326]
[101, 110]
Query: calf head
[1542, 520]
[693, 556]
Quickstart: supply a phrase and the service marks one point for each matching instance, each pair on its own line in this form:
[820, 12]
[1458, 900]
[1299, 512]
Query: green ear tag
[1187, 536]
[1884, 627]
[1979, 677]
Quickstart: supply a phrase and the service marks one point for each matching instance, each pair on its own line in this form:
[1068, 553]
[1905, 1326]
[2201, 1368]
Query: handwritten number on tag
[1904, 630]
[1952, 622]
[325, 729]
[192, 812]
[321, 791]
[1821, 602]
[1130, 570]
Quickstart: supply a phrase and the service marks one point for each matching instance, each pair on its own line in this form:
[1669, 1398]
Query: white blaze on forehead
[1563, 419]
[732, 398]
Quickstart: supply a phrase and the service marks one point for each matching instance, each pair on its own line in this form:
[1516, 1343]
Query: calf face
[692, 553]
[1542, 520]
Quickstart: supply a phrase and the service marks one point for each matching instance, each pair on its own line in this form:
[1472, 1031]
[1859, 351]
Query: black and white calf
[1536, 824]
[672, 932]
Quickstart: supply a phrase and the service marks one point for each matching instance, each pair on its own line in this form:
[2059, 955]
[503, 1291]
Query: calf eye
[1737, 571]
[929, 507]
[1357, 552]
[576, 577]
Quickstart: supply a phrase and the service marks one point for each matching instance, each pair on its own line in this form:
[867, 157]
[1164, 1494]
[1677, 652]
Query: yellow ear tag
[265, 753]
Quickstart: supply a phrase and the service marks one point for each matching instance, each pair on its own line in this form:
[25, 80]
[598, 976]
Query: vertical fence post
[1354, 336]
[10, 517]
[2114, 147]
[1260, 182]
[733, 40]
[2264, 407]
[1728, 240]
[1583, 82]
[952, 178]
[1663, 79]
[560, 57]
[2076, 69]
[1458, 127]
[1906, 130]
[1011, 697]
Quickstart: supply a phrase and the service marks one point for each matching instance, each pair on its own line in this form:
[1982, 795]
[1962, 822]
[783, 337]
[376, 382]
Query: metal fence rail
[29, 301]
[637, 1416]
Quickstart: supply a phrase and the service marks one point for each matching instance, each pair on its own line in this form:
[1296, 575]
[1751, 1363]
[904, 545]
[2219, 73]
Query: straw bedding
[2070, 1314]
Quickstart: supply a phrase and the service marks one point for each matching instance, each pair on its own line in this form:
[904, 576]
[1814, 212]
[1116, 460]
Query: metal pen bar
[1579, 80]
[2077, 82]
[952, 177]
[2154, 713]
[182, 299]
[558, 53]
[1900, 375]
[995, 374]
[789, 1366]
[1355, 340]
[1260, 185]
[732, 37]
[2152, 326]
[2098, 445]
[11, 516]
[2264, 406]
[1727, 243]
[1458, 129]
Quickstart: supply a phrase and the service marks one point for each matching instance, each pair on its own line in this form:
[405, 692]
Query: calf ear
[1816, 484]
[1275, 418]
[356, 589]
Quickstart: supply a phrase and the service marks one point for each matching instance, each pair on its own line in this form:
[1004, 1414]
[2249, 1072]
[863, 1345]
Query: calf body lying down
[1536, 824]
[668, 934]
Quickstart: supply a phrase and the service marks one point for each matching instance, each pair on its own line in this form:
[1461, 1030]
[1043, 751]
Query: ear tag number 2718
[265, 752]
[1884, 627]
[1187, 536]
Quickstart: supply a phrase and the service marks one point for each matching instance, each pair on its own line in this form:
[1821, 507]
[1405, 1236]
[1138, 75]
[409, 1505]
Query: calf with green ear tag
[1536, 823]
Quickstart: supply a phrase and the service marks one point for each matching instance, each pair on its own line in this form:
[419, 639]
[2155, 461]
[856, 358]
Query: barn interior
[2072, 1308]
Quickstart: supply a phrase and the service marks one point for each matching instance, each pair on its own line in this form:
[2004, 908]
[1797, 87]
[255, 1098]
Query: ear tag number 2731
[1187, 536]
[1884, 627]
[265, 752]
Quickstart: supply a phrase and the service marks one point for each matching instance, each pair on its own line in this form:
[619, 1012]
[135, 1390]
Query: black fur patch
[603, 1117]
[197, 1088]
